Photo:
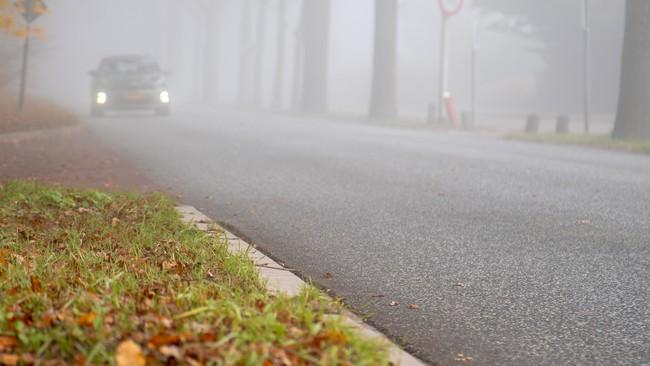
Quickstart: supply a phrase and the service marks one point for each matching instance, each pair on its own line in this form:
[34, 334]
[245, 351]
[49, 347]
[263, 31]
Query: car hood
[134, 81]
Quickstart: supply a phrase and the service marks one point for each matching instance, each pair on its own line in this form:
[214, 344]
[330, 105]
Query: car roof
[145, 58]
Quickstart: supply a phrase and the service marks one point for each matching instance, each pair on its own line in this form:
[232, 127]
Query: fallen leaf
[80, 360]
[7, 342]
[87, 320]
[9, 360]
[328, 275]
[462, 358]
[414, 307]
[171, 352]
[163, 339]
[36, 284]
[261, 305]
[115, 221]
[281, 355]
[129, 353]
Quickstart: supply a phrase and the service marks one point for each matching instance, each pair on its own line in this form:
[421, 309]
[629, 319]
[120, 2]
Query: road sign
[30, 9]
[450, 7]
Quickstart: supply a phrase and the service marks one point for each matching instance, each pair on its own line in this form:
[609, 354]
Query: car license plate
[135, 95]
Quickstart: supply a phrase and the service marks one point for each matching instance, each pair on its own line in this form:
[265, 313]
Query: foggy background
[520, 69]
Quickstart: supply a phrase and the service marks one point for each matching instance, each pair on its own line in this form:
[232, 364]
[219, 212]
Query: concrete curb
[19, 136]
[281, 280]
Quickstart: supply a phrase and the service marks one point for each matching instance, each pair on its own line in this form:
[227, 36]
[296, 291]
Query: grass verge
[598, 141]
[37, 114]
[88, 277]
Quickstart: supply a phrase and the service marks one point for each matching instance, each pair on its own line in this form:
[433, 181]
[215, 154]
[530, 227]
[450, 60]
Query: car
[129, 82]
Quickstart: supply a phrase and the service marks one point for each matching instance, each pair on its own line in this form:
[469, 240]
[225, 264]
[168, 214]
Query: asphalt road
[516, 253]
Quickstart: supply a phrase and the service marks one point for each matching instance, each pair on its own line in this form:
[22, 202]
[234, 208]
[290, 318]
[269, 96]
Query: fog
[207, 50]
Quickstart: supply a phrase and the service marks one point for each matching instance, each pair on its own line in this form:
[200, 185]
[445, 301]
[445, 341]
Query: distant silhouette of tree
[315, 28]
[383, 100]
[633, 116]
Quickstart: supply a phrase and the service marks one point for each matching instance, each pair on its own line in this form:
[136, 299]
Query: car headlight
[164, 97]
[101, 98]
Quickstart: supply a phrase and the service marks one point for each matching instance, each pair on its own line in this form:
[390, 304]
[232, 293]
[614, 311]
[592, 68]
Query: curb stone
[281, 280]
[19, 136]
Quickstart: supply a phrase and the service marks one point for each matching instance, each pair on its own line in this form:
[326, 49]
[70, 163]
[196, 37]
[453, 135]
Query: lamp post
[448, 8]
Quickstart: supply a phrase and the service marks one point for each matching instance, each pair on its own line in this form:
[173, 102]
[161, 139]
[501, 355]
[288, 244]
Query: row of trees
[541, 20]
[310, 56]
[538, 18]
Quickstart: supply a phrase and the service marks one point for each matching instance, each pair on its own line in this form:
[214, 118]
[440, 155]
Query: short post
[431, 114]
[532, 123]
[562, 124]
[467, 120]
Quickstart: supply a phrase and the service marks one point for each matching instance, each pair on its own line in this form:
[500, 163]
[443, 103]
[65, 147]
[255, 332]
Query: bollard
[562, 124]
[466, 120]
[431, 114]
[532, 123]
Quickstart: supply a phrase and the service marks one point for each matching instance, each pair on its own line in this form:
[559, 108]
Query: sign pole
[448, 9]
[23, 74]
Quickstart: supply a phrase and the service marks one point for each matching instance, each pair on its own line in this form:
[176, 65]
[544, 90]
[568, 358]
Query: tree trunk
[383, 102]
[279, 62]
[243, 93]
[315, 25]
[633, 116]
[260, 46]
[212, 48]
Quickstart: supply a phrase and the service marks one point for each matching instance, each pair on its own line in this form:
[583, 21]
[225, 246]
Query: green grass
[84, 272]
[599, 141]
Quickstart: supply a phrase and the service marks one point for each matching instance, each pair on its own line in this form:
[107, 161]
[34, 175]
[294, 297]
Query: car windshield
[129, 66]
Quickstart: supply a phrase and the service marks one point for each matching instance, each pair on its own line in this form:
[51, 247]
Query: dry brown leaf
[414, 307]
[328, 275]
[87, 320]
[171, 351]
[115, 221]
[129, 353]
[7, 342]
[36, 284]
[9, 360]
[163, 339]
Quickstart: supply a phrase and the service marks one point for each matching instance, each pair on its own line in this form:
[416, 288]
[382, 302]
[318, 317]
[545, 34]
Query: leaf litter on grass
[92, 278]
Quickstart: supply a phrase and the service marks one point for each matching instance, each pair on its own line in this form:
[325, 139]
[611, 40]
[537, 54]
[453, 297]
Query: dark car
[129, 82]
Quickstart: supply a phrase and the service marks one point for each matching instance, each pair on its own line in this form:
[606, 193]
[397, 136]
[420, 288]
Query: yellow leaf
[129, 354]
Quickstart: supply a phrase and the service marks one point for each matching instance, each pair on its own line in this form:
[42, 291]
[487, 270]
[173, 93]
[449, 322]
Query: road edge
[281, 280]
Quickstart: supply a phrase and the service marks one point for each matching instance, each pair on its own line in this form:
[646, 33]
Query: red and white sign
[450, 7]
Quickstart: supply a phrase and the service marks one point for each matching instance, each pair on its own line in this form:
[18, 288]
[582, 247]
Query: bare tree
[280, 50]
[260, 46]
[243, 94]
[383, 102]
[633, 116]
[212, 49]
[315, 27]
